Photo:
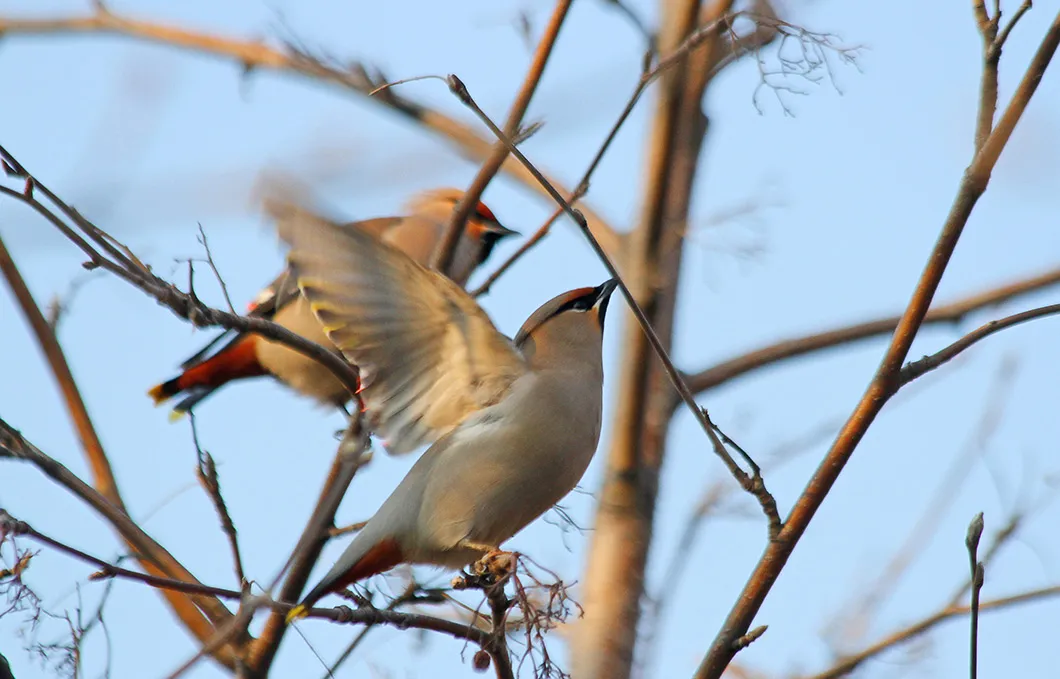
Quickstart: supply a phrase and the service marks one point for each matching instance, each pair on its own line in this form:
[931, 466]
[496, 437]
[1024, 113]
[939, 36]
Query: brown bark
[605, 641]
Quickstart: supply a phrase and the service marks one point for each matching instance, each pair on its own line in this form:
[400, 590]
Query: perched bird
[249, 355]
[514, 423]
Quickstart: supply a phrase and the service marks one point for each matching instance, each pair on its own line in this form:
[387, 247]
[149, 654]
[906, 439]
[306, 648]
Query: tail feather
[352, 567]
[202, 354]
[160, 393]
[237, 360]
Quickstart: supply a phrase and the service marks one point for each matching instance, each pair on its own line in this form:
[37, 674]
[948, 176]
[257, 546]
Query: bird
[248, 355]
[513, 423]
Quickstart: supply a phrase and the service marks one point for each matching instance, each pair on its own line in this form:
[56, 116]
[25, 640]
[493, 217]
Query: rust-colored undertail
[237, 361]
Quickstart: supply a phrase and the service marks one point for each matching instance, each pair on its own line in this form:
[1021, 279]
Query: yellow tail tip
[297, 613]
[158, 394]
[177, 415]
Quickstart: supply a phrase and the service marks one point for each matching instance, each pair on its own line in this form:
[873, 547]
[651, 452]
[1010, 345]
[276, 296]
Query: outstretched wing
[429, 356]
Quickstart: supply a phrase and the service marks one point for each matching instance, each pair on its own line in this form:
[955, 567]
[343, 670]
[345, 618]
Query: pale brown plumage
[248, 355]
[514, 423]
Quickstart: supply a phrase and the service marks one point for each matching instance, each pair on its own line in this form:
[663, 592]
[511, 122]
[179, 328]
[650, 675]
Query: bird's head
[575, 317]
[482, 231]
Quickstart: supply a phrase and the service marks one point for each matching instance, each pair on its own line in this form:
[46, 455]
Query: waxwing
[514, 423]
[248, 355]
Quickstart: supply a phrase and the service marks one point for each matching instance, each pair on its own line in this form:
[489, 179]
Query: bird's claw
[496, 563]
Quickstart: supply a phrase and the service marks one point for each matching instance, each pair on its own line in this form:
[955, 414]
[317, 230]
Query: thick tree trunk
[604, 644]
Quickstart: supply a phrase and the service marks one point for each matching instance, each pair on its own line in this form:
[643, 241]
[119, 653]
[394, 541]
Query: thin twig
[348, 459]
[379, 616]
[12, 526]
[926, 364]
[207, 474]
[213, 267]
[254, 55]
[1003, 536]
[349, 528]
[198, 617]
[975, 532]
[949, 313]
[443, 254]
[851, 662]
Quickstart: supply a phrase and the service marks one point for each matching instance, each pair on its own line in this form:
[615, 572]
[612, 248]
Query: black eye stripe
[583, 303]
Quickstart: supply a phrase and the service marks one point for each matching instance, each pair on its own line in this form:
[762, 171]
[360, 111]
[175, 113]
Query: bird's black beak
[498, 230]
[492, 233]
[603, 296]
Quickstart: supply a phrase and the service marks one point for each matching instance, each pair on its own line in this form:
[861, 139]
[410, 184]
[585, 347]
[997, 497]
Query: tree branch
[11, 525]
[887, 379]
[751, 483]
[117, 259]
[348, 459]
[207, 474]
[444, 253]
[152, 557]
[251, 55]
[381, 616]
[13, 445]
[951, 313]
[912, 371]
[851, 662]
[618, 553]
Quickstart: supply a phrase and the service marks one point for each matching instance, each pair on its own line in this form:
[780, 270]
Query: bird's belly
[510, 498]
[298, 371]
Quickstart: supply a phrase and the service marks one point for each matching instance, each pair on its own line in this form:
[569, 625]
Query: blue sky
[149, 141]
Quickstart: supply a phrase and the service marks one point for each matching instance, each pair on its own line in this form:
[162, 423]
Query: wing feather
[429, 356]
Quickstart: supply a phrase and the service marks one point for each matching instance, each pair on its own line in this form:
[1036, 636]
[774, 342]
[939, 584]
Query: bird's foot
[495, 563]
[495, 566]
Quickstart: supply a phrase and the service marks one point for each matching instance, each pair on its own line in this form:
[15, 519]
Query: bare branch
[348, 459]
[198, 615]
[888, 377]
[344, 530]
[975, 531]
[951, 313]
[381, 616]
[751, 483]
[13, 445]
[11, 526]
[443, 254]
[916, 630]
[253, 55]
[916, 369]
[116, 258]
[213, 267]
[207, 474]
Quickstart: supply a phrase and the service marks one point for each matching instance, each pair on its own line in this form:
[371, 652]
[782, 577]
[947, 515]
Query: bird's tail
[364, 558]
[236, 361]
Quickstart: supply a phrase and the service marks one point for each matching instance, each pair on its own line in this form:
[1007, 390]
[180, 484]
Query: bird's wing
[428, 354]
